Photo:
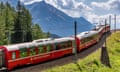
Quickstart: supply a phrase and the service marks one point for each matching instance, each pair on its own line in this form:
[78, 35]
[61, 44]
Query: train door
[2, 56]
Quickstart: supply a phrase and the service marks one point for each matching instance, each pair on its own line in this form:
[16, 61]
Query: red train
[12, 56]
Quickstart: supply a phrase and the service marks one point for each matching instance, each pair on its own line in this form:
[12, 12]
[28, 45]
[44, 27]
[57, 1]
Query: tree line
[16, 25]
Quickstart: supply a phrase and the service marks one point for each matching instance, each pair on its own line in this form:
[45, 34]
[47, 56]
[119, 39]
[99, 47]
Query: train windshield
[2, 61]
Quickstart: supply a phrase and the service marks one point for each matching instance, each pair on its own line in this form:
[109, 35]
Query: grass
[92, 62]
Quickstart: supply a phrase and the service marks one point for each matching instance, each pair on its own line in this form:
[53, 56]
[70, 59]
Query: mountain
[53, 20]
[56, 22]
[54, 36]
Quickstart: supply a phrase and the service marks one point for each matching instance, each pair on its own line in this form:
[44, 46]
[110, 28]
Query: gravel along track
[63, 60]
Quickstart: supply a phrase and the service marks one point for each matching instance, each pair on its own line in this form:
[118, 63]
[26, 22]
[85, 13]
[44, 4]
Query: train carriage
[3, 62]
[41, 50]
[102, 29]
[32, 53]
[87, 38]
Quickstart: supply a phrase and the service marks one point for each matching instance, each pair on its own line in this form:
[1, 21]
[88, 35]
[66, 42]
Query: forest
[16, 25]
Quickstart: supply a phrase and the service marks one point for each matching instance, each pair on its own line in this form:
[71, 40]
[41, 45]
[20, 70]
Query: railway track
[63, 60]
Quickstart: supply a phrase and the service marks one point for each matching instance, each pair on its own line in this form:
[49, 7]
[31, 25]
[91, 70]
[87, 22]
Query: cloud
[110, 4]
[94, 18]
[73, 8]
[77, 8]
[100, 19]
[27, 2]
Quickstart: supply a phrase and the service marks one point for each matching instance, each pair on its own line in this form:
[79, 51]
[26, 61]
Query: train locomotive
[12, 56]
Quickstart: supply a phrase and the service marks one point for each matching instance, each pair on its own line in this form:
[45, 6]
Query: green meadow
[92, 62]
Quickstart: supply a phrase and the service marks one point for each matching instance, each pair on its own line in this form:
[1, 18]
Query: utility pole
[104, 53]
[110, 21]
[75, 46]
[75, 43]
[115, 23]
[105, 31]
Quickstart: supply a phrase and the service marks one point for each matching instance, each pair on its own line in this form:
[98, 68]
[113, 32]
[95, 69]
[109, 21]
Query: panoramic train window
[49, 48]
[66, 44]
[96, 35]
[56, 46]
[13, 55]
[23, 52]
[69, 44]
[41, 49]
[84, 40]
[32, 51]
[63, 45]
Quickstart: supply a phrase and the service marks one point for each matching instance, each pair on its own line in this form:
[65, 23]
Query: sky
[90, 9]
[95, 11]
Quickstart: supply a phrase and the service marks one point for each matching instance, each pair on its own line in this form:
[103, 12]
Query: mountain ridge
[53, 20]
[56, 22]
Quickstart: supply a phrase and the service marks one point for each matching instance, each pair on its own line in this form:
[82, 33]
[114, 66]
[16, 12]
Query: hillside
[56, 22]
[92, 62]
[53, 20]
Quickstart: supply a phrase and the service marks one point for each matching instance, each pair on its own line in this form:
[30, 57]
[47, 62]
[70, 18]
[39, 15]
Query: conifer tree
[36, 32]
[2, 24]
[17, 36]
[9, 21]
[27, 24]
[16, 25]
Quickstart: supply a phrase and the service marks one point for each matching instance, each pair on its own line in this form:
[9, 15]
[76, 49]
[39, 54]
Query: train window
[66, 45]
[96, 35]
[56, 47]
[13, 55]
[23, 52]
[69, 44]
[32, 51]
[49, 48]
[63, 45]
[84, 40]
[41, 49]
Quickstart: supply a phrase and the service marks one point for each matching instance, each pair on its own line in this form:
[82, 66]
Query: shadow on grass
[77, 64]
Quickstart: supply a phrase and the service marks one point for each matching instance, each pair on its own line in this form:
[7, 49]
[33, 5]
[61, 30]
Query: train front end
[2, 60]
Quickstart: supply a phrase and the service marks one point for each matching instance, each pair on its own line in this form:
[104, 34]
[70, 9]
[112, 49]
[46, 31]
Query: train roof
[86, 34]
[41, 40]
[18, 46]
[56, 40]
[92, 32]
[32, 44]
[100, 27]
